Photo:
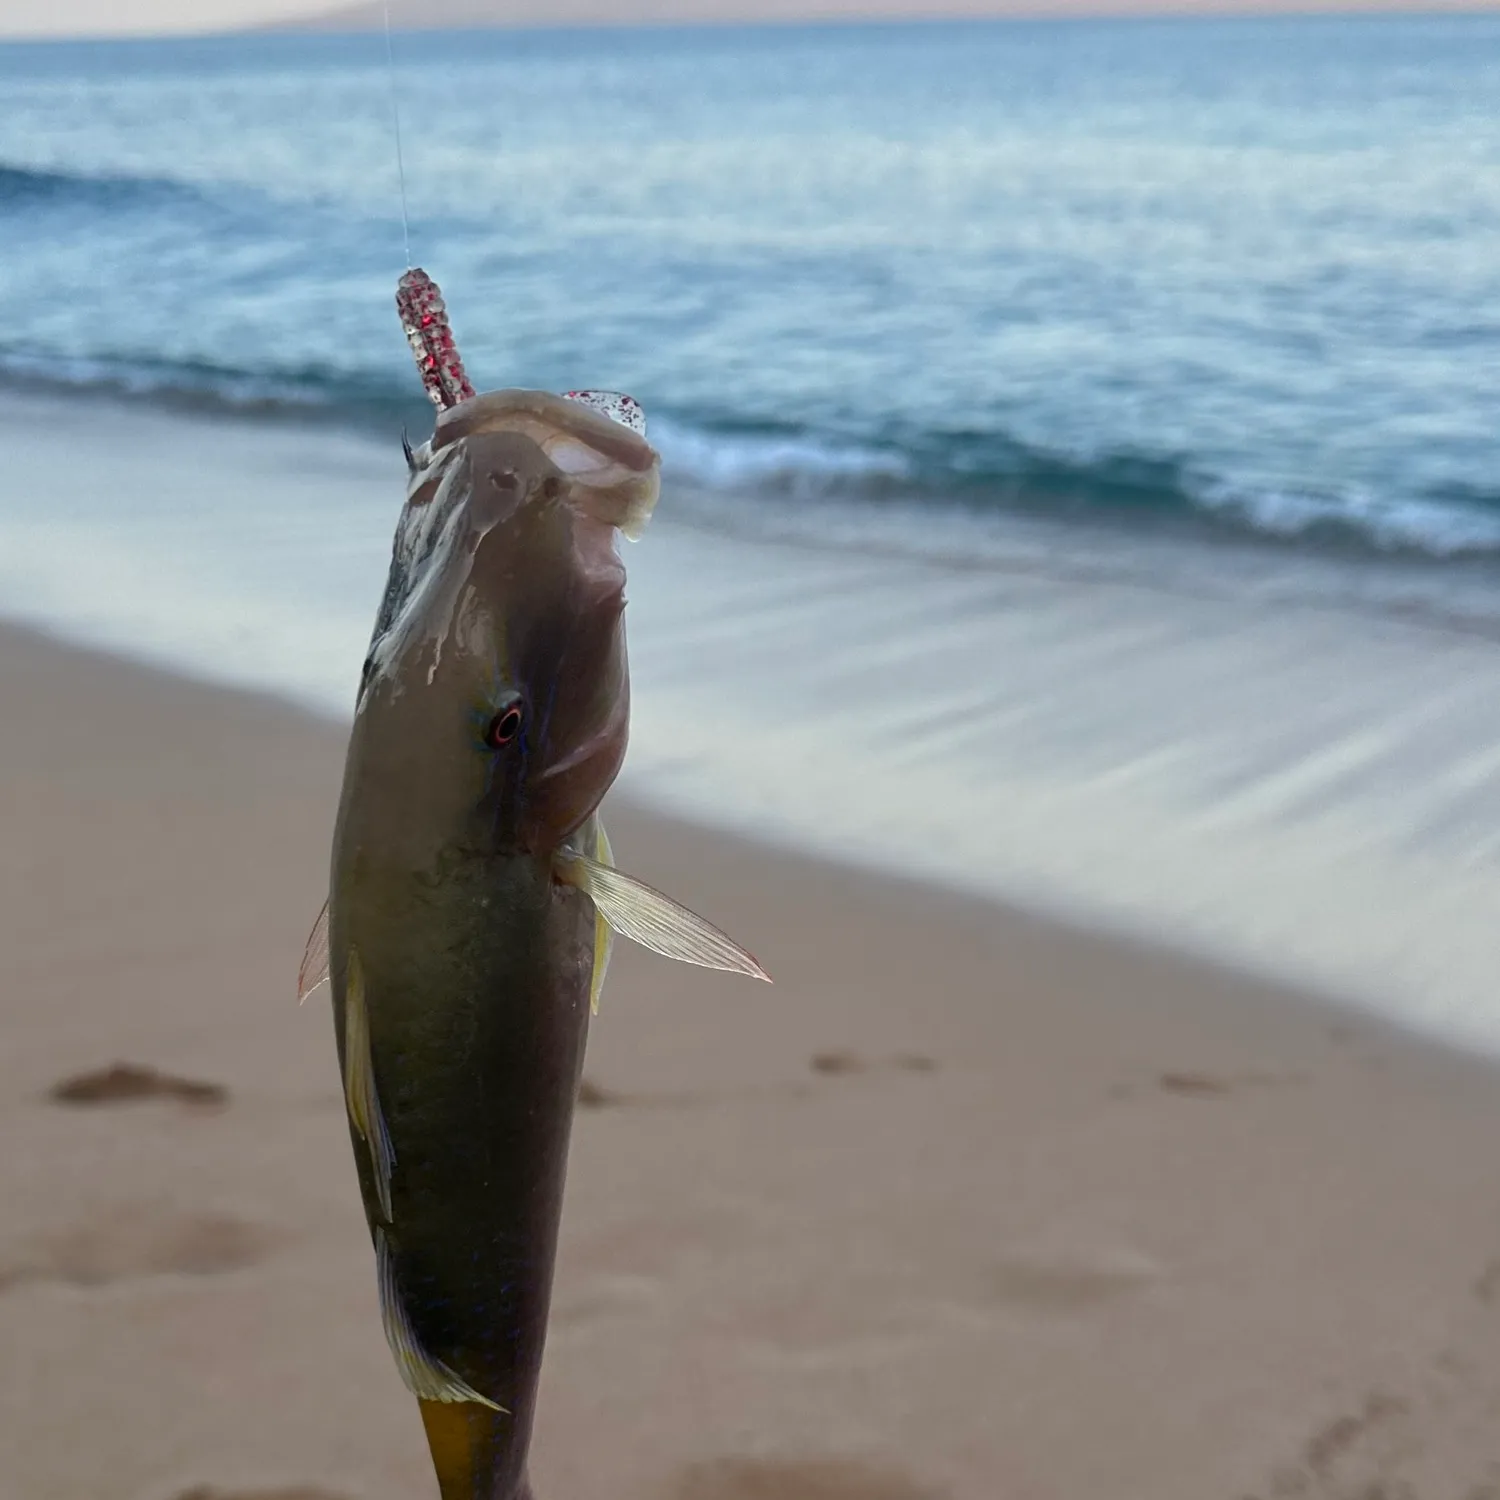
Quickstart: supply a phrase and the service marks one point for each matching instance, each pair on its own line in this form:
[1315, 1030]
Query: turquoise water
[1236, 277]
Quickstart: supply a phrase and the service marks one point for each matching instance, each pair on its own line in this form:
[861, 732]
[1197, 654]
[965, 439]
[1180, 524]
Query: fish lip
[495, 410]
[613, 472]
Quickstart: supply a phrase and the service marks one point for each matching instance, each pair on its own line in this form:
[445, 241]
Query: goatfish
[473, 896]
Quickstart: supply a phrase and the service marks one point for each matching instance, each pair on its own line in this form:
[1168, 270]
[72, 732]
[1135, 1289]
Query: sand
[968, 1205]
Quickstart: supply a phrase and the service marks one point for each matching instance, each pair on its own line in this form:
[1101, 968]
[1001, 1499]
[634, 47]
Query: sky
[125, 17]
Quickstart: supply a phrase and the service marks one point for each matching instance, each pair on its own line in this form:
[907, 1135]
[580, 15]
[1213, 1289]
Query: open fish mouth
[596, 438]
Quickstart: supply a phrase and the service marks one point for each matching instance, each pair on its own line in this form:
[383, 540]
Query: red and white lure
[615, 405]
[424, 320]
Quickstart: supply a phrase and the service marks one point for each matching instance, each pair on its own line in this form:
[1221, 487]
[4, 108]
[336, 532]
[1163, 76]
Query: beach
[1066, 652]
[967, 1205]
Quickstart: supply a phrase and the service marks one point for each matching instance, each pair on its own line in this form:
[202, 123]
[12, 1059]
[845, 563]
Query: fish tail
[472, 1447]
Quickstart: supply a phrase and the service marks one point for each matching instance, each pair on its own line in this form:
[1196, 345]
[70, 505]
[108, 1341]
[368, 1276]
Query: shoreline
[1223, 764]
[1060, 919]
[926, 898]
[962, 1185]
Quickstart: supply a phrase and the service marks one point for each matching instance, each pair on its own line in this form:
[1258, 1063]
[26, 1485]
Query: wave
[30, 187]
[1435, 526]
[293, 394]
[991, 472]
[784, 461]
[747, 464]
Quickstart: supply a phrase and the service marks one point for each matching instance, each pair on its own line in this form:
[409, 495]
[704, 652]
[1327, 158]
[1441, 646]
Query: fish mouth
[614, 474]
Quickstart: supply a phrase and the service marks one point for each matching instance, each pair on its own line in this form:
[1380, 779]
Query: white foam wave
[794, 466]
[1438, 528]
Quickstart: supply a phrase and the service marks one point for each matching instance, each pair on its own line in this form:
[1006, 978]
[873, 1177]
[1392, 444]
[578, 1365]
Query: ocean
[1081, 440]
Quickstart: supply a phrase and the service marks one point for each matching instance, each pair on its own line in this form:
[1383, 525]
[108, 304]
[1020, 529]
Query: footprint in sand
[835, 1063]
[294, 1492]
[796, 1479]
[1352, 1457]
[1332, 1443]
[133, 1242]
[1211, 1085]
[1193, 1085]
[1487, 1288]
[1384, 1447]
[1070, 1283]
[128, 1083]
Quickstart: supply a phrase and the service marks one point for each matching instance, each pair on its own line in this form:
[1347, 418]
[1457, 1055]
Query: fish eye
[504, 727]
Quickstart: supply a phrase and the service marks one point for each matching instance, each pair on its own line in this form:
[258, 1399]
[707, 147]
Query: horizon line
[329, 22]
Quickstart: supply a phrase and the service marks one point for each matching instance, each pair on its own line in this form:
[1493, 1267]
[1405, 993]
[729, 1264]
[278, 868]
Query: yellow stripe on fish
[359, 1085]
[604, 937]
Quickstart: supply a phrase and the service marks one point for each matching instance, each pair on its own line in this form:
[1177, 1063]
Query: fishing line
[390, 65]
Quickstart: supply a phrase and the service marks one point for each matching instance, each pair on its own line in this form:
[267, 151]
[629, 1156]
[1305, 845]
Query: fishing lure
[424, 320]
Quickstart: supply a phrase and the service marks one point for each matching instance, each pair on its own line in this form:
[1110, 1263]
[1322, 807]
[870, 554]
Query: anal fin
[359, 1085]
[426, 1378]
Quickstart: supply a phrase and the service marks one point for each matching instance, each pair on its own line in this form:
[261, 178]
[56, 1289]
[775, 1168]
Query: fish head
[495, 703]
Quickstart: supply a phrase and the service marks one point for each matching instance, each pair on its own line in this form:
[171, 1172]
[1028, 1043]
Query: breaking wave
[993, 471]
[34, 187]
[744, 463]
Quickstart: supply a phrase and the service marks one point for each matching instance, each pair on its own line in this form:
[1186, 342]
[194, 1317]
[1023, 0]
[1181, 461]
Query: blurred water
[1239, 275]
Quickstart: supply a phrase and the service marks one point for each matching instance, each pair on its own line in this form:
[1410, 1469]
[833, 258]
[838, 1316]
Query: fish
[473, 895]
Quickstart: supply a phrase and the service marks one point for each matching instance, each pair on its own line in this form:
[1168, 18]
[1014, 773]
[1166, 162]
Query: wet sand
[968, 1205]
[1144, 735]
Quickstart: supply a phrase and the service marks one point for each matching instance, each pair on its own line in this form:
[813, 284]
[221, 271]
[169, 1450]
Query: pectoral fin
[314, 970]
[426, 1378]
[359, 1085]
[645, 916]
